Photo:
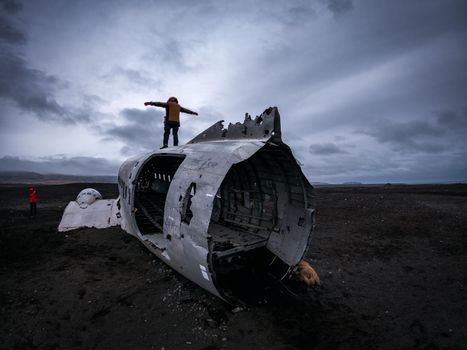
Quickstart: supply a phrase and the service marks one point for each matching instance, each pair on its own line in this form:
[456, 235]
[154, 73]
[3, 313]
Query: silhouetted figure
[32, 201]
[171, 119]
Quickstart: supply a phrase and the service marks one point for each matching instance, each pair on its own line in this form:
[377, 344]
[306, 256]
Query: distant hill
[27, 177]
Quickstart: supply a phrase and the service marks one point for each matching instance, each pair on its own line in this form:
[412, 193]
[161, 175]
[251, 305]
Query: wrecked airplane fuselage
[232, 204]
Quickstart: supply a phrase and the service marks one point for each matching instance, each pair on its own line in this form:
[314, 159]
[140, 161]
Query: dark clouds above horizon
[370, 91]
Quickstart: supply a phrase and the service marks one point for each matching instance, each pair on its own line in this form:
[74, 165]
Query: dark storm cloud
[9, 33]
[33, 90]
[348, 164]
[412, 136]
[298, 13]
[332, 66]
[445, 130]
[452, 119]
[11, 6]
[150, 116]
[379, 33]
[141, 131]
[339, 7]
[61, 165]
[27, 87]
[391, 168]
[325, 149]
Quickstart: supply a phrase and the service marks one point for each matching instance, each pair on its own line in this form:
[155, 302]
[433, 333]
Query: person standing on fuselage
[171, 119]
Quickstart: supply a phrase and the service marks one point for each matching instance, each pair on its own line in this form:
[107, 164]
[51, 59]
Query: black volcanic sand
[392, 261]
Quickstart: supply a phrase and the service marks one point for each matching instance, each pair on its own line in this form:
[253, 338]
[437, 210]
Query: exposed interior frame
[251, 203]
[152, 185]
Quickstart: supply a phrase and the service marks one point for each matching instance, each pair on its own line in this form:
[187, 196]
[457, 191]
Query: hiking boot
[165, 146]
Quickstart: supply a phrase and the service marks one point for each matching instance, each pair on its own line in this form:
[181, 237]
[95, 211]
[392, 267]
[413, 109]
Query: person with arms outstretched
[171, 119]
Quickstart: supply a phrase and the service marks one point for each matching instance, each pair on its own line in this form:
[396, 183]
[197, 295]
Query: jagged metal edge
[264, 127]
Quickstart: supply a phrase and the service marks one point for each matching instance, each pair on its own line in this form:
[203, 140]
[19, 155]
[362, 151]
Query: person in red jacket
[32, 201]
[171, 119]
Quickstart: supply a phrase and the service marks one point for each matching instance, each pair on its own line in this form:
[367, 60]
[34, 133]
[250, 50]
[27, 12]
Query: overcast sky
[370, 91]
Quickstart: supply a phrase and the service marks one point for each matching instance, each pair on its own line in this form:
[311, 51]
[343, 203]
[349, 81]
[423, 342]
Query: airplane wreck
[230, 205]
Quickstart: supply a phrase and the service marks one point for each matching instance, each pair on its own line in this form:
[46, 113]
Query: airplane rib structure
[231, 205]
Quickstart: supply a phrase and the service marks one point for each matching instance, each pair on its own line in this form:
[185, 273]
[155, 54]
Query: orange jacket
[172, 110]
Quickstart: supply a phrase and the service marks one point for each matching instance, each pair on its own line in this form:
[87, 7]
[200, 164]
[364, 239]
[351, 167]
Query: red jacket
[32, 196]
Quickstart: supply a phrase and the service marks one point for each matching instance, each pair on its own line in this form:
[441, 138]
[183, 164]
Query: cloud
[454, 120]
[61, 165]
[351, 166]
[32, 90]
[29, 88]
[333, 67]
[141, 130]
[169, 52]
[133, 76]
[371, 167]
[412, 136]
[339, 7]
[11, 6]
[9, 33]
[297, 14]
[172, 51]
[325, 149]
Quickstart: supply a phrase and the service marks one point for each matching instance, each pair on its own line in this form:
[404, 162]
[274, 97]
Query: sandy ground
[392, 261]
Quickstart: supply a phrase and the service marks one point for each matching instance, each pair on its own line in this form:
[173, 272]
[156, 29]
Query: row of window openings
[157, 176]
[162, 177]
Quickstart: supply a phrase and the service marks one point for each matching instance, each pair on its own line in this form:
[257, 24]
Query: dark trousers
[167, 127]
[33, 209]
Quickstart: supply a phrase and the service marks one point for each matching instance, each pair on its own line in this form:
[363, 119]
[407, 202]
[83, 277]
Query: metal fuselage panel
[185, 246]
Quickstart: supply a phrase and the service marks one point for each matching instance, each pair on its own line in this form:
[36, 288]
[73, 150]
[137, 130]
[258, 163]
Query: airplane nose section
[87, 196]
